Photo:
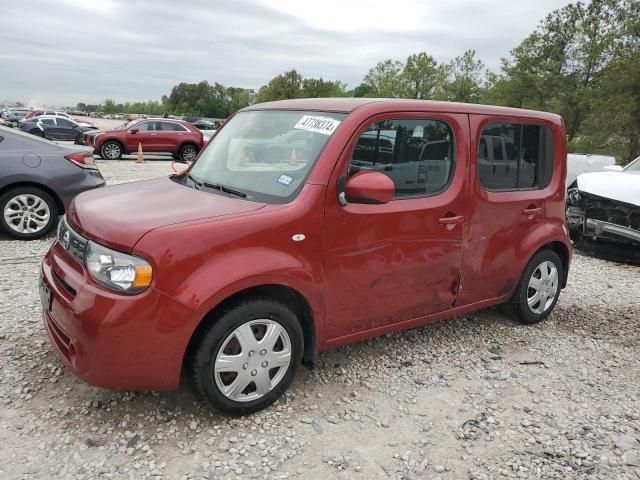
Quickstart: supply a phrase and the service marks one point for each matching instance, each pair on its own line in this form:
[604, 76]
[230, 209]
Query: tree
[82, 107]
[385, 80]
[109, 106]
[281, 87]
[362, 90]
[423, 78]
[465, 78]
[317, 87]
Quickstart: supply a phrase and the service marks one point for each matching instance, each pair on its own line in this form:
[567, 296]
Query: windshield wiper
[196, 183]
[222, 188]
[215, 186]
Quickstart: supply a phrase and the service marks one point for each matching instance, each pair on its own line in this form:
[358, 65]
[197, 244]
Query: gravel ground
[477, 397]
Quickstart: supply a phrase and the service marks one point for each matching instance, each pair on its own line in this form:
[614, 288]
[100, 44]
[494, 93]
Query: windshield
[265, 155]
[633, 167]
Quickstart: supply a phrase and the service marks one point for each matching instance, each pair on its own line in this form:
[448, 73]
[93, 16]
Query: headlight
[117, 271]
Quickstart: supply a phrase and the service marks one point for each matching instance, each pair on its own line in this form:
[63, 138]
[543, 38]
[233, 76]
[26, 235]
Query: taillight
[82, 159]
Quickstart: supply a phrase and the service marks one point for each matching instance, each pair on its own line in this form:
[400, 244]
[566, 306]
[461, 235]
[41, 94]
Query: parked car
[605, 206]
[181, 139]
[207, 128]
[579, 163]
[15, 115]
[62, 115]
[191, 119]
[54, 128]
[37, 113]
[234, 271]
[38, 179]
[205, 125]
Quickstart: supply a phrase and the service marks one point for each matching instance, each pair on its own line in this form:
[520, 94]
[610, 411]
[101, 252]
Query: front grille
[71, 241]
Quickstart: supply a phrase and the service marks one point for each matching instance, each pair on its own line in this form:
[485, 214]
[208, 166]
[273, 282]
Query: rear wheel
[248, 358]
[28, 213]
[188, 153]
[111, 150]
[539, 288]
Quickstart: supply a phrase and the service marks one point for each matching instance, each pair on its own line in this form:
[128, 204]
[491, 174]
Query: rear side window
[514, 156]
[171, 127]
[416, 154]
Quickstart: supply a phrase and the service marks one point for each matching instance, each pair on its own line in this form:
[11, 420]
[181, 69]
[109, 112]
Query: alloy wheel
[542, 288]
[111, 151]
[189, 154]
[252, 360]
[27, 213]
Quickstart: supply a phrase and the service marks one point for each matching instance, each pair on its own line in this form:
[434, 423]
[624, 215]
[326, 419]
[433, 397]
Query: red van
[302, 226]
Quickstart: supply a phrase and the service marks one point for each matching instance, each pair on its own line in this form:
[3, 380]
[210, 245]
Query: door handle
[532, 211]
[451, 220]
[153, 134]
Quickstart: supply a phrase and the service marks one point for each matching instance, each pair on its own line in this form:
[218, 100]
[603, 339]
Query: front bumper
[601, 218]
[110, 340]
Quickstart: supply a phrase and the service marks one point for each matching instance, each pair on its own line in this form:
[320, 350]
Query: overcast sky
[66, 51]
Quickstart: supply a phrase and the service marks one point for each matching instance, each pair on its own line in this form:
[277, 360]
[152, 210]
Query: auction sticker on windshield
[324, 125]
[285, 179]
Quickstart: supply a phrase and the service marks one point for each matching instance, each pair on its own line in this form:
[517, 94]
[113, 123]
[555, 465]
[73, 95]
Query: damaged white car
[606, 206]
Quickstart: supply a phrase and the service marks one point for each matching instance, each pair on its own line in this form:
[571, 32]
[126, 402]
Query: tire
[235, 335]
[17, 203]
[188, 152]
[535, 285]
[111, 150]
[37, 132]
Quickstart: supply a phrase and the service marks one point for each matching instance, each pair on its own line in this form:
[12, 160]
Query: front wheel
[111, 150]
[539, 288]
[248, 358]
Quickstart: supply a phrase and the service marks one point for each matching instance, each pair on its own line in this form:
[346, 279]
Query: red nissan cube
[302, 226]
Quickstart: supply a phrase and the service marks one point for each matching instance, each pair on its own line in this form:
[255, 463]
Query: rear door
[512, 162]
[171, 135]
[390, 263]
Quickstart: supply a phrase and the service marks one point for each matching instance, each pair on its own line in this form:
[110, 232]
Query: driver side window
[417, 154]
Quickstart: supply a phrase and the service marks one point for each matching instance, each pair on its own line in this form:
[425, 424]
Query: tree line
[582, 62]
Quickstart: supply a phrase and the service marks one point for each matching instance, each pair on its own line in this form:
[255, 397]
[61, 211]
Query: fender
[539, 236]
[252, 268]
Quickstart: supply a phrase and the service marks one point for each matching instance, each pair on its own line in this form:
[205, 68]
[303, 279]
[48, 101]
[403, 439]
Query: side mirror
[134, 130]
[368, 187]
[613, 168]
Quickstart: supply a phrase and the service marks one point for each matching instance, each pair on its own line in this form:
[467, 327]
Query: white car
[606, 205]
[579, 163]
[52, 114]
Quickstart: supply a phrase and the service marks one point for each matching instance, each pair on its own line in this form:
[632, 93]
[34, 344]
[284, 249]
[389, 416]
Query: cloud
[83, 50]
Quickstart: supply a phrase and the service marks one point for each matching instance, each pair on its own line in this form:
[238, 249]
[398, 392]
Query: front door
[146, 136]
[66, 130]
[399, 261]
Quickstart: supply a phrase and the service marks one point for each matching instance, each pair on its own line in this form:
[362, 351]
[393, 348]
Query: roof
[347, 105]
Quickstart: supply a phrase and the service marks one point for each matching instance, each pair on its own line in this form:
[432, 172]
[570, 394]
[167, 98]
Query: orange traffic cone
[140, 157]
[293, 160]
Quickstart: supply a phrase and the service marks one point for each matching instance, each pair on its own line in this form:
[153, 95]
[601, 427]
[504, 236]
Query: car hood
[118, 216]
[619, 186]
[93, 132]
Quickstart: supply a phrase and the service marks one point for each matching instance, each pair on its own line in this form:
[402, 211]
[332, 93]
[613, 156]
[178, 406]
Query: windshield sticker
[323, 125]
[285, 180]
